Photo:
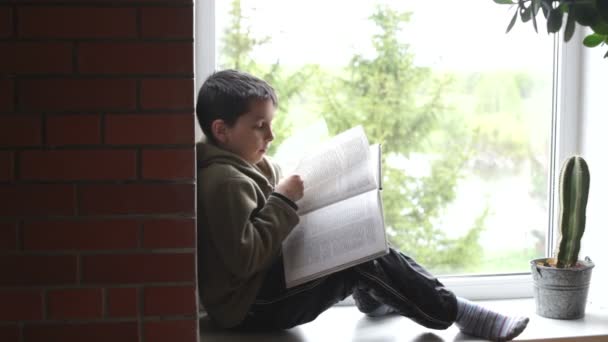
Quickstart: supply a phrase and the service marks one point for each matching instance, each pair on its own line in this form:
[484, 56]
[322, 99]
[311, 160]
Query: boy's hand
[291, 187]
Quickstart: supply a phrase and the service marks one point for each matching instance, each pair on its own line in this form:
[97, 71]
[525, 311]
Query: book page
[335, 237]
[375, 152]
[340, 169]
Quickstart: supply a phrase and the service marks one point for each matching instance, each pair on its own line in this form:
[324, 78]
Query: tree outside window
[465, 148]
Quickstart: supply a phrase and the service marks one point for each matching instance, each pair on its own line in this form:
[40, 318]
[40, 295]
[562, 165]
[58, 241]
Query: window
[466, 113]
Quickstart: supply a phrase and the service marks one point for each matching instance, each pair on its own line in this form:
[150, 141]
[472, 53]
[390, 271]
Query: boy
[246, 209]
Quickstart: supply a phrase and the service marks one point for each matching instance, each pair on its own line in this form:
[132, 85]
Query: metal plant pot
[561, 292]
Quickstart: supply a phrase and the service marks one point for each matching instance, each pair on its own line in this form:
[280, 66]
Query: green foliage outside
[401, 106]
[235, 50]
[413, 111]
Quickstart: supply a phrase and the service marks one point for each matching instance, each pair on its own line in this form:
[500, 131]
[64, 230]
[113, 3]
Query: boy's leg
[277, 307]
[395, 281]
[403, 286]
[400, 284]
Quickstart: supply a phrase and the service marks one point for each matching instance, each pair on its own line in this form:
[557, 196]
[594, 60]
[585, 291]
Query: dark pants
[394, 280]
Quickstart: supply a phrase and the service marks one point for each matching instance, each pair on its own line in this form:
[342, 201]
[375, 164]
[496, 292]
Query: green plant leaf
[504, 2]
[593, 40]
[554, 22]
[585, 14]
[569, 31]
[535, 6]
[546, 7]
[602, 9]
[526, 13]
[601, 27]
[513, 20]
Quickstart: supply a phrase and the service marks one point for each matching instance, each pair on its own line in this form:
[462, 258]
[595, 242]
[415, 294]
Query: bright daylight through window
[462, 109]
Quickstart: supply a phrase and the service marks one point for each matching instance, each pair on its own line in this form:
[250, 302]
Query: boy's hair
[227, 95]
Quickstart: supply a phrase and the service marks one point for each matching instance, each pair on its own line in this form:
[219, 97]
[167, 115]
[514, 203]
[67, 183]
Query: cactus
[574, 190]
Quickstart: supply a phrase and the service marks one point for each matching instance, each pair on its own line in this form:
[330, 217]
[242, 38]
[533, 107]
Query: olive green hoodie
[241, 224]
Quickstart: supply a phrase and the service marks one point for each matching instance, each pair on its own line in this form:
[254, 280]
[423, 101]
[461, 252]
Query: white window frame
[565, 133]
[204, 48]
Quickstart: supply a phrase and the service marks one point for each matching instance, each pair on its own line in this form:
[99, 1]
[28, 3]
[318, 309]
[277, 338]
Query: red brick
[168, 164]
[81, 235]
[7, 96]
[8, 236]
[169, 234]
[37, 270]
[137, 268]
[77, 22]
[10, 333]
[20, 130]
[6, 26]
[109, 199]
[77, 94]
[167, 94]
[174, 331]
[74, 303]
[177, 300]
[78, 165]
[89, 332]
[20, 57]
[150, 129]
[136, 58]
[6, 166]
[20, 305]
[73, 130]
[122, 302]
[37, 199]
[167, 22]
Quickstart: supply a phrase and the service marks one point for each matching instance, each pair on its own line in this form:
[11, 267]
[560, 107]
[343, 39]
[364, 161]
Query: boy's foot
[369, 306]
[478, 321]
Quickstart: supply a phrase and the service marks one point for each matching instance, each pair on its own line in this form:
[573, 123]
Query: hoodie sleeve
[247, 238]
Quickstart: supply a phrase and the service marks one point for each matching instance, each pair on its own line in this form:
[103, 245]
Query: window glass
[462, 109]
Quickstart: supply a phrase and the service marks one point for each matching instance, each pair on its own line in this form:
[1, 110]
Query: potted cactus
[561, 284]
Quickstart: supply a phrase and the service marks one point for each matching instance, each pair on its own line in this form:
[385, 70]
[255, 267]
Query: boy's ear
[219, 130]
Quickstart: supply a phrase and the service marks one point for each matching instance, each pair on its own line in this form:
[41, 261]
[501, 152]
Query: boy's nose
[269, 134]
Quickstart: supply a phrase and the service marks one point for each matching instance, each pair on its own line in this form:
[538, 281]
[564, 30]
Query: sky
[442, 33]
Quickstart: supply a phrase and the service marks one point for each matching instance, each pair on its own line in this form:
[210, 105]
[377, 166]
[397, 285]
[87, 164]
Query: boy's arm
[248, 239]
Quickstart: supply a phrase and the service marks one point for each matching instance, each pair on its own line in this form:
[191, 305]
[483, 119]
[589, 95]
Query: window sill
[345, 323]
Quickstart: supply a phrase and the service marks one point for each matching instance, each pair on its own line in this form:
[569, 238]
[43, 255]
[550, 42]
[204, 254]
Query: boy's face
[251, 135]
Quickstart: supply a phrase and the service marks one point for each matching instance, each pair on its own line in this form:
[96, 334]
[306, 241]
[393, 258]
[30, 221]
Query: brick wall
[97, 195]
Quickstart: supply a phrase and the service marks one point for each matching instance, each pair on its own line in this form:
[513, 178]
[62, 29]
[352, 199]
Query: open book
[341, 217]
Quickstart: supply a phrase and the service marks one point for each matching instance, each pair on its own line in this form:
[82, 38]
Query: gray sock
[478, 321]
